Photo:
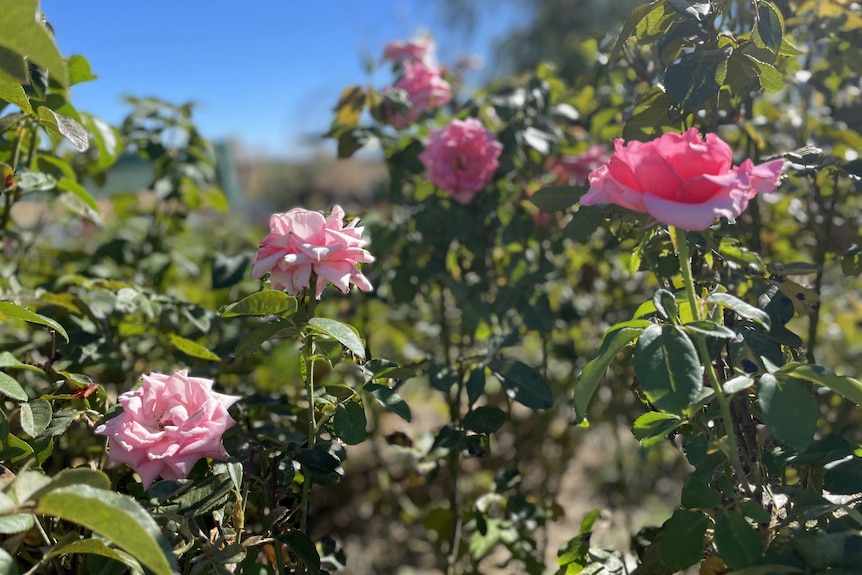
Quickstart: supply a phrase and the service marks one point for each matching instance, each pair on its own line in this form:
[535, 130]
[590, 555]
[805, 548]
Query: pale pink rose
[461, 158]
[302, 242]
[419, 49]
[167, 424]
[680, 180]
[426, 90]
[577, 168]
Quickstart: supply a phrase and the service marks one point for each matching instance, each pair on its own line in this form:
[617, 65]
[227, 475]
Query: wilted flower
[167, 424]
[680, 179]
[426, 90]
[461, 158]
[302, 242]
[419, 49]
[577, 168]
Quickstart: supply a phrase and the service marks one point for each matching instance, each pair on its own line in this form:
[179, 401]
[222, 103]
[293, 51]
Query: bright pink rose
[167, 424]
[578, 168]
[302, 242]
[680, 180]
[426, 90]
[461, 158]
[419, 49]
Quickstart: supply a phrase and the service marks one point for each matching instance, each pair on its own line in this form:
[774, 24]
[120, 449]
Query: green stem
[680, 241]
[308, 357]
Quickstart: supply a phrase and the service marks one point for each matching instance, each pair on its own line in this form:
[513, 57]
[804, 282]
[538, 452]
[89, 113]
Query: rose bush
[461, 158]
[302, 242]
[167, 424]
[680, 179]
[426, 90]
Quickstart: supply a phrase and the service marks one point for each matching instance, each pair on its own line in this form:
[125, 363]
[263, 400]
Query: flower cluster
[426, 90]
[167, 424]
[302, 242]
[461, 158]
[680, 179]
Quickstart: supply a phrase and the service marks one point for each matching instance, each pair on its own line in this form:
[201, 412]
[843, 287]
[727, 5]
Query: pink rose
[302, 242]
[167, 424]
[419, 49]
[426, 90]
[461, 158]
[680, 180]
[577, 168]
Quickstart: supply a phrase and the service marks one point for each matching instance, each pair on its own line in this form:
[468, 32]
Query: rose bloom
[167, 424]
[461, 158]
[577, 168]
[680, 180]
[419, 49]
[302, 242]
[426, 90]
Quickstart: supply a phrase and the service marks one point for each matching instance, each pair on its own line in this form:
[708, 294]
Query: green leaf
[770, 79]
[263, 333]
[390, 400]
[192, 348]
[737, 384]
[64, 126]
[35, 416]
[740, 307]
[697, 77]
[349, 422]
[115, 517]
[665, 305]
[341, 332]
[485, 419]
[108, 140]
[843, 477]
[523, 383]
[789, 410]
[552, 199]
[847, 387]
[475, 385]
[98, 547]
[11, 388]
[652, 427]
[73, 478]
[8, 565]
[268, 302]
[14, 94]
[668, 368]
[632, 22]
[706, 328]
[10, 310]
[682, 541]
[770, 27]
[615, 339]
[584, 222]
[79, 70]
[696, 494]
[736, 541]
[79, 192]
[22, 33]
[303, 547]
[13, 522]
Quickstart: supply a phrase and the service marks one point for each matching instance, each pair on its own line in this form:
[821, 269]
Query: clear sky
[266, 72]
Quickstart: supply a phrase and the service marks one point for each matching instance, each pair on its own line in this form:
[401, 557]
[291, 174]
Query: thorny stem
[679, 237]
[308, 357]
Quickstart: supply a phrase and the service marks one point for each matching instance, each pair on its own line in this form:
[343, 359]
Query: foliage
[500, 334]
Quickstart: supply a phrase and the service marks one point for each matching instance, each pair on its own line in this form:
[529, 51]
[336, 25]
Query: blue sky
[267, 73]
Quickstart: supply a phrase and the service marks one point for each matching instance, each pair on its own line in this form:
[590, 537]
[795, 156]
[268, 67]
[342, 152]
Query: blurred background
[286, 64]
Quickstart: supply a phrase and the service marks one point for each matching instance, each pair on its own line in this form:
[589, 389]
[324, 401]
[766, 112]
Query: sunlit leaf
[117, 518]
